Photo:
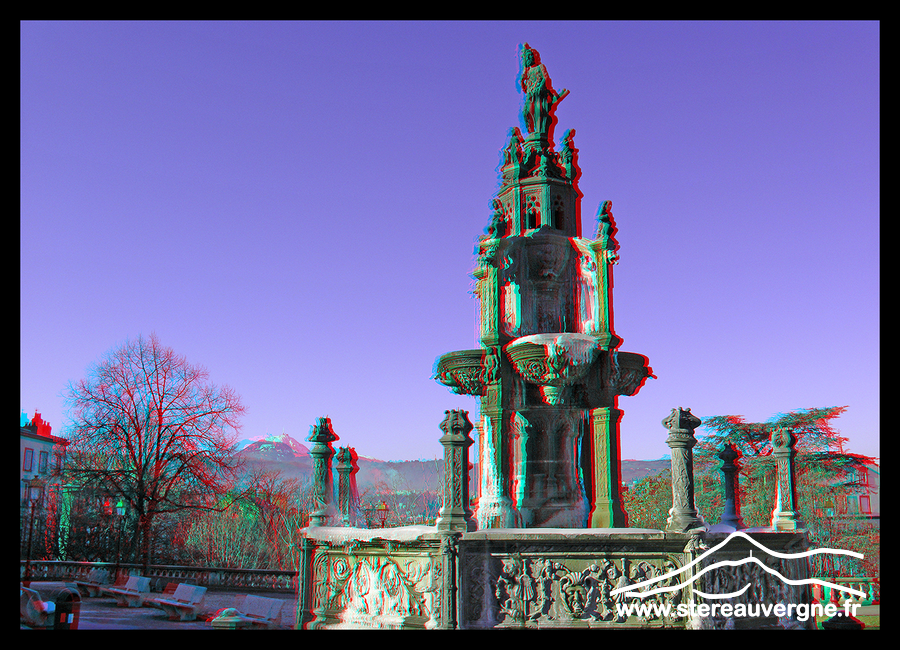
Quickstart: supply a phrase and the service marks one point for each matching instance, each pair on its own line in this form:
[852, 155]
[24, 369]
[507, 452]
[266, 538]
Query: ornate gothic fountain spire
[548, 371]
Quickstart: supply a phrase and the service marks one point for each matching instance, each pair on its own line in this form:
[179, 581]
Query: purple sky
[295, 205]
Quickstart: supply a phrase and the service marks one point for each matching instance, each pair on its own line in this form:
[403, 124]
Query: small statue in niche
[606, 229]
[512, 154]
[567, 154]
[491, 367]
[497, 227]
[487, 244]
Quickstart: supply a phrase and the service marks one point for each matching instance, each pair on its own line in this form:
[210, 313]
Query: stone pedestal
[784, 515]
[419, 578]
[731, 515]
[456, 515]
[347, 496]
[683, 515]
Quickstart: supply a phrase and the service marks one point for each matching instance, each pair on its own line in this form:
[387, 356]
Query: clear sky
[294, 205]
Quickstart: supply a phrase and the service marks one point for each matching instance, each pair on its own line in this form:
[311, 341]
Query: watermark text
[800, 611]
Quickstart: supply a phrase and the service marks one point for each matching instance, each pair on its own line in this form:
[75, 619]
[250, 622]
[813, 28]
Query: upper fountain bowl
[559, 359]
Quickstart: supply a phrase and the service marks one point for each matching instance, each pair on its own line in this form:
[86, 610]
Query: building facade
[41, 455]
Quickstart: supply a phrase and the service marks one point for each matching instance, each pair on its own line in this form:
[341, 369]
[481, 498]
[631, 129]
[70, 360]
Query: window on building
[28, 464]
[43, 459]
[864, 506]
[852, 504]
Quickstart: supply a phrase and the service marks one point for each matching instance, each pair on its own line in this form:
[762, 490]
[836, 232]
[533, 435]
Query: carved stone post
[345, 468]
[606, 511]
[784, 517]
[455, 513]
[731, 515]
[322, 436]
[450, 578]
[305, 614]
[683, 516]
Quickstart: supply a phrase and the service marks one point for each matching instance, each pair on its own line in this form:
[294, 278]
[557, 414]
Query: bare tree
[150, 427]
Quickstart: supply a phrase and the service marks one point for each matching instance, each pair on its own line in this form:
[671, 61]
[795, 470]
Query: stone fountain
[549, 370]
[544, 543]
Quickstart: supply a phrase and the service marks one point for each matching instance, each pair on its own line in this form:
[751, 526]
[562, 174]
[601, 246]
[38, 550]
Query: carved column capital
[681, 424]
[783, 441]
[456, 427]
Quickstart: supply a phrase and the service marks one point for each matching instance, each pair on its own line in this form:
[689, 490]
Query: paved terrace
[103, 614]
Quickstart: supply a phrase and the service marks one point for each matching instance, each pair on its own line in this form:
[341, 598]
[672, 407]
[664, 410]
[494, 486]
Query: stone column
[323, 484]
[345, 468]
[784, 517]
[683, 516]
[495, 507]
[731, 515]
[606, 501]
[455, 513]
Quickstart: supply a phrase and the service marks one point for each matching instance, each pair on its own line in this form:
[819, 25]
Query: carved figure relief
[762, 586]
[374, 591]
[547, 592]
[512, 308]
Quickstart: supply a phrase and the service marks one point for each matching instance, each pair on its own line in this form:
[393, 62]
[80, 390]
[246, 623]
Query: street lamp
[120, 515]
[382, 510]
[34, 490]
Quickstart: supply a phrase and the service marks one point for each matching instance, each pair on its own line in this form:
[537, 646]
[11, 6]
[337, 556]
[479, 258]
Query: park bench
[132, 594]
[95, 580]
[157, 582]
[120, 582]
[183, 604]
[255, 612]
[167, 592]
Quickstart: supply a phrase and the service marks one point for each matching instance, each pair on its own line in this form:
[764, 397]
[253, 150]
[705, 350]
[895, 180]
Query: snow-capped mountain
[299, 450]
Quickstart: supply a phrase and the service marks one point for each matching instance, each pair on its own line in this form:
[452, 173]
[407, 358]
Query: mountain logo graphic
[644, 588]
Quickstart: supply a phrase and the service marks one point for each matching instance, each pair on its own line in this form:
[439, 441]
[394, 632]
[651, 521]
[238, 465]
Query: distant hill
[284, 454]
[635, 470]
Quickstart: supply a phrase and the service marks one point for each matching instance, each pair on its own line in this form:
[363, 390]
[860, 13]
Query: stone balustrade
[212, 577]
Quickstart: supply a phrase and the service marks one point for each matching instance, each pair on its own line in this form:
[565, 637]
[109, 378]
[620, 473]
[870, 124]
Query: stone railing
[212, 578]
[868, 585]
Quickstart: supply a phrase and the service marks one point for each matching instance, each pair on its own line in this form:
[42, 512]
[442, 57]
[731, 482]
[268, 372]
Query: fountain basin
[558, 359]
[462, 371]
